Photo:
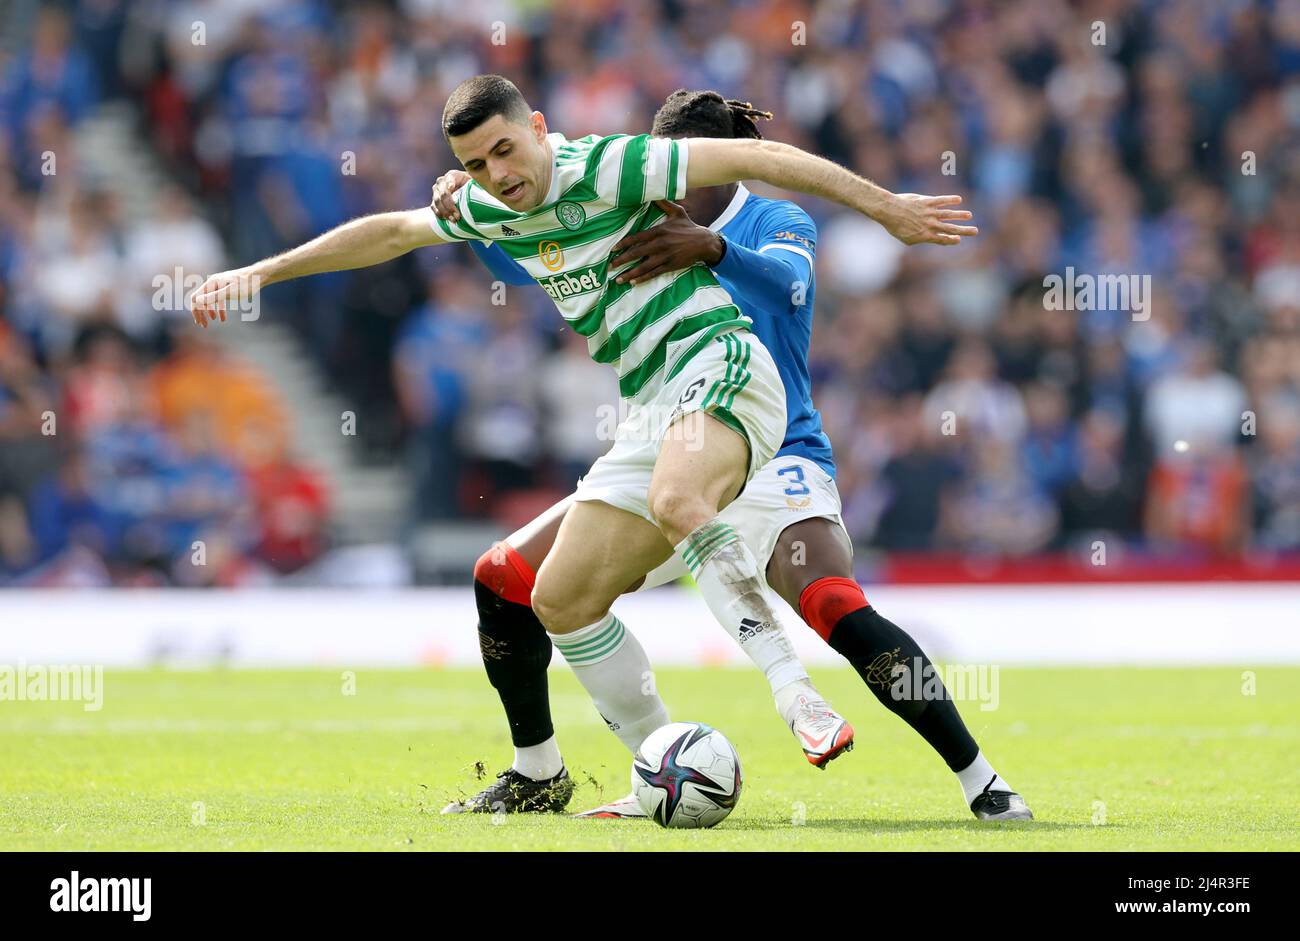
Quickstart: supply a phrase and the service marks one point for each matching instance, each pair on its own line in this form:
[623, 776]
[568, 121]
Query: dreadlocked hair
[707, 114]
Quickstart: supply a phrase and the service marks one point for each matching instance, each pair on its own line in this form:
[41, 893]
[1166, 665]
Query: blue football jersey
[768, 271]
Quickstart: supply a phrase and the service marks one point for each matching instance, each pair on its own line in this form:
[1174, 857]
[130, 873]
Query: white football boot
[822, 732]
[625, 808]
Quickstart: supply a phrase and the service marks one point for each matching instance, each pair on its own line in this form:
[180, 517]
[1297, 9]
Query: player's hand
[444, 194]
[916, 220]
[219, 291]
[675, 243]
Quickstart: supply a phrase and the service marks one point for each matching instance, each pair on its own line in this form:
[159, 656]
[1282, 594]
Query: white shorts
[732, 378]
[787, 490]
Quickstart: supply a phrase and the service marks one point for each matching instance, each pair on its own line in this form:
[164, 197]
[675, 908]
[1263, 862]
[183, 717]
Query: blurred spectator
[201, 376]
[1198, 404]
[27, 399]
[502, 427]
[129, 457]
[204, 490]
[64, 512]
[78, 279]
[98, 387]
[51, 80]
[431, 364]
[1048, 449]
[973, 401]
[1102, 494]
[580, 402]
[1277, 476]
[920, 481]
[162, 251]
[1198, 500]
[998, 509]
[292, 506]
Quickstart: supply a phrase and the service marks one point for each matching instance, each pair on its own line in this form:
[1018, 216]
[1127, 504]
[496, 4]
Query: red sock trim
[503, 570]
[824, 602]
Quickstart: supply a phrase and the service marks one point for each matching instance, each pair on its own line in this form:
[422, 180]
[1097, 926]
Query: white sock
[539, 762]
[978, 775]
[793, 695]
[727, 574]
[610, 663]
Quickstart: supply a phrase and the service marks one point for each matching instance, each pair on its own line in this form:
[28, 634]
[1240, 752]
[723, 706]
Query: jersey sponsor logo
[507, 231]
[575, 282]
[571, 215]
[551, 255]
[793, 237]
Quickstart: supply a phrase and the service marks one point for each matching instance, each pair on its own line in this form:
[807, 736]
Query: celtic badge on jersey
[571, 215]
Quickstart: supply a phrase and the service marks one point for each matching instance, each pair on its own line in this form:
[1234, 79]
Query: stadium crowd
[1154, 139]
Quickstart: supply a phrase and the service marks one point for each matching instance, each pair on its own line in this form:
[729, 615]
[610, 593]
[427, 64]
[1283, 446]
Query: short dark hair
[706, 114]
[476, 99]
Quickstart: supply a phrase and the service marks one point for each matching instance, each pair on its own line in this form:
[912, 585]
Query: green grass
[1181, 759]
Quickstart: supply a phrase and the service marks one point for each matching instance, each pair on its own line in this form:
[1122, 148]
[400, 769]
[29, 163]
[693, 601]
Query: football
[686, 775]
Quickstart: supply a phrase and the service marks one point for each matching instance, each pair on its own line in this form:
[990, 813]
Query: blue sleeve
[502, 266]
[778, 256]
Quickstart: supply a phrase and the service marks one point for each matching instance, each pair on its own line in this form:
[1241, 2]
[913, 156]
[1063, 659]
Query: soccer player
[706, 406]
[762, 251]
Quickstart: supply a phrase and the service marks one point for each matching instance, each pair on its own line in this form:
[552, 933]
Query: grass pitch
[1108, 759]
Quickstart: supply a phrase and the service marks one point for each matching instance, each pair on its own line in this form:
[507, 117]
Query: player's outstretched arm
[370, 240]
[680, 242]
[910, 218]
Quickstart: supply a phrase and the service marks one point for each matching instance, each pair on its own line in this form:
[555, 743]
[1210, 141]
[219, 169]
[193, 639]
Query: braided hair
[707, 114]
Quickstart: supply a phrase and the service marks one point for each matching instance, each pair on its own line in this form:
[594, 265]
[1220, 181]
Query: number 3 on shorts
[797, 488]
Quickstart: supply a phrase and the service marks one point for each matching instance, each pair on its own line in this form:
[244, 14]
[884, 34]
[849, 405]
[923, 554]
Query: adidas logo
[749, 628]
[506, 230]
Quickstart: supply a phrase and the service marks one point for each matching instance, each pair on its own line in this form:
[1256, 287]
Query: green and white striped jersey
[603, 188]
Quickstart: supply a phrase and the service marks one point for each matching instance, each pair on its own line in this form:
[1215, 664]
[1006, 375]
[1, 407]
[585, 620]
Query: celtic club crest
[571, 215]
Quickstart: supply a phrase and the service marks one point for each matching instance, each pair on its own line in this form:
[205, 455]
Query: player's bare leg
[599, 552]
[812, 569]
[516, 654]
[701, 467]
[517, 650]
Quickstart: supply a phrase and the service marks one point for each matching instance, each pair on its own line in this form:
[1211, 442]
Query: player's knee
[565, 608]
[552, 605]
[679, 512]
